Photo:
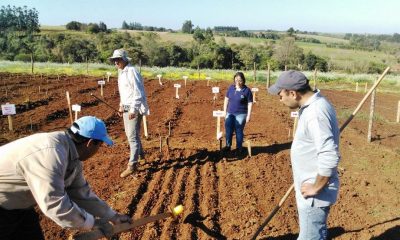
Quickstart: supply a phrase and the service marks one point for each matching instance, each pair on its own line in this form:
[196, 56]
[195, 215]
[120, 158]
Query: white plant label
[177, 85]
[215, 90]
[159, 75]
[254, 89]
[101, 82]
[294, 114]
[218, 113]
[8, 109]
[76, 107]
[208, 78]
[108, 74]
[185, 77]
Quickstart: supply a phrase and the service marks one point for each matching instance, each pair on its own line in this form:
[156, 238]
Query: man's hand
[308, 190]
[120, 111]
[104, 226]
[119, 218]
[248, 118]
[131, 116]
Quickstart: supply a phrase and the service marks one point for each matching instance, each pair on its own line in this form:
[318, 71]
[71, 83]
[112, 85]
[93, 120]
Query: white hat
[120, 53]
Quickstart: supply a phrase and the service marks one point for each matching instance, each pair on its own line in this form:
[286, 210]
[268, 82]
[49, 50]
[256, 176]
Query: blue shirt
[238, 100]
[315, 150]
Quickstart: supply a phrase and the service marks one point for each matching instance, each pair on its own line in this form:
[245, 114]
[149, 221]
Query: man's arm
[310, 190]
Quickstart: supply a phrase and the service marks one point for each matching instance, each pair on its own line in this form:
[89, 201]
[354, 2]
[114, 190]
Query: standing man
[314, 152]
[132, 107]
[46, 169]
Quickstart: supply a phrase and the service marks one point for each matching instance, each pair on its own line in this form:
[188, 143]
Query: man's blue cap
[289, 80]
[92, 127]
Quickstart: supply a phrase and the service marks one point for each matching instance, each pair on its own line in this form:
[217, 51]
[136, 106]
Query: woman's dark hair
[241, 75]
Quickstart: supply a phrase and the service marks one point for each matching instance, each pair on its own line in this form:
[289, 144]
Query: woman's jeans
[132, 130]
[235, 122]
[312, 222]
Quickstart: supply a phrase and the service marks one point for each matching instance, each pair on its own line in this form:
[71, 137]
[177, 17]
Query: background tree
[74, 25]
[187, 26]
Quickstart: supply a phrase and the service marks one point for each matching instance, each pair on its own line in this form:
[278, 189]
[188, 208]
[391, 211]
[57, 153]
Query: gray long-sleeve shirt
[315, 150]
[45, 169]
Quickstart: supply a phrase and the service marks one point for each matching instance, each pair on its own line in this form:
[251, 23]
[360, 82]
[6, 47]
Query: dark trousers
[20, 224]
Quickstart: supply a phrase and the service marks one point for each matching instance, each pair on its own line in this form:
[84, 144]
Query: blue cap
[92, 127]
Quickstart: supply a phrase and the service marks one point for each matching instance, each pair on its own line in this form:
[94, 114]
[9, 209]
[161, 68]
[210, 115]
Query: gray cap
[289, 80]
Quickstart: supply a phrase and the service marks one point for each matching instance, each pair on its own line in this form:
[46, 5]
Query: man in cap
[45, 169]
[132, 107]
[314, 152]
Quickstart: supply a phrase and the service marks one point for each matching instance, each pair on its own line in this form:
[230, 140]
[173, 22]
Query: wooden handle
[123, 227]
[145, 126]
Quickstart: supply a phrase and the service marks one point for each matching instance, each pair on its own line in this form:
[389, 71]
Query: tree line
[24, 42]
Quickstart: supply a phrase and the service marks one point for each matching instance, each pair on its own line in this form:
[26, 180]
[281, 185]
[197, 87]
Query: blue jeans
[312, 222]
[132, 130]
[235, 122]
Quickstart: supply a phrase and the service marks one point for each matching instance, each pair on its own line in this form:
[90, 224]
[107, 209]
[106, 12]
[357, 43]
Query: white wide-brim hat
[120, 53]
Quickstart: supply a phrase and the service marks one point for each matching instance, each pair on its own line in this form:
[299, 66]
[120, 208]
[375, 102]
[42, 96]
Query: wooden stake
[268, 75]
[249, 147]
[218, 126]
[366, 87]
[10, 123]
[160, 144]
[101, 90]
[69, 107]
[371, 116]
[169, 128]
[356, 86]
[145, 126]
[398, 113]
[315, 79]
[255, 71]
[167, 143]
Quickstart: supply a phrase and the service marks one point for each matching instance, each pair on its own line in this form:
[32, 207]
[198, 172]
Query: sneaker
[240, 151]
[128, 171]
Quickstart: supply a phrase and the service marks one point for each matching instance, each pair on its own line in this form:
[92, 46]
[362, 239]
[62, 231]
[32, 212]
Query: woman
[237, 108]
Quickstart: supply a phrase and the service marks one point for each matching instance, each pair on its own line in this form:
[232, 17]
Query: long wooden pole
[276, 209]
[371, 116]
[69, 107]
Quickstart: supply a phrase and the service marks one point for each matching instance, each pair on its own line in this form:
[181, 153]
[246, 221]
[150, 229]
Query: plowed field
[224, 196]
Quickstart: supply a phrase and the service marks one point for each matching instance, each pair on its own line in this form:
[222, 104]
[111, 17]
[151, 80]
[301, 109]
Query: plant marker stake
[215, 90]
[169, 128]
[124, 227]
[159, 79]
[276, 209]
[177, 86]
[371, 116]
[76, 108]
[366, 87]
[9, 109]
[356, 86]
[101, 83]
[69, 107]
[160, 144]
[294, 115]
[218, 114]
[315, 79]
[185, 78]
[249, 147]
[108, 76]
[145, 126]
[254, 90]
[268, 75]
[398, 113]
[208, 81]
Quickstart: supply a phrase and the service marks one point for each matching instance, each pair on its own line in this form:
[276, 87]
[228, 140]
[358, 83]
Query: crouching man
[46, 169]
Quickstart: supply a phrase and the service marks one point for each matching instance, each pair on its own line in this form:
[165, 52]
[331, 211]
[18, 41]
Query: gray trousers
[132, 130]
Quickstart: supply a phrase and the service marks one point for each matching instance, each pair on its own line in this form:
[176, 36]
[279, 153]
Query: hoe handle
[123, 227]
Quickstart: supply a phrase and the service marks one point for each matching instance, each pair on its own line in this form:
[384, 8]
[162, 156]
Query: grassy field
[329, 80]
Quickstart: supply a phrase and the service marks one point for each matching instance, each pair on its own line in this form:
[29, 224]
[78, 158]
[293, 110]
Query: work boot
[129, 170]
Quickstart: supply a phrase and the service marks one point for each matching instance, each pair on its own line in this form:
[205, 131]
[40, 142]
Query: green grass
[331, 80]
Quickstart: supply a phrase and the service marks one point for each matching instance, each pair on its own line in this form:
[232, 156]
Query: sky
[328, 16]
